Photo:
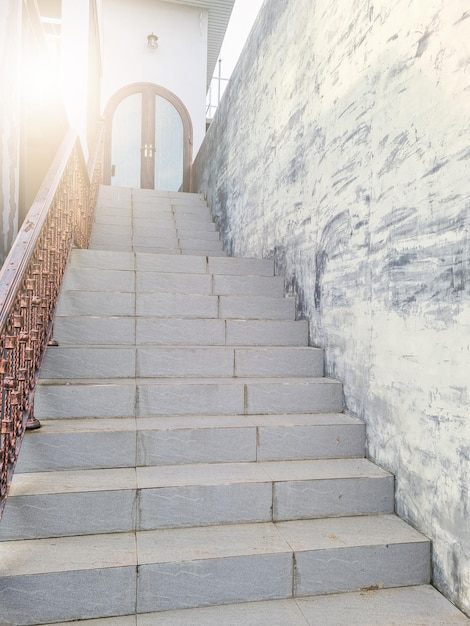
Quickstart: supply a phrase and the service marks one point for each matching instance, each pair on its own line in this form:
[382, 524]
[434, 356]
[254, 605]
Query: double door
[150, 140]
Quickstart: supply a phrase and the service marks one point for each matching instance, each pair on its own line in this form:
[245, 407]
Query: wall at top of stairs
[341, 149]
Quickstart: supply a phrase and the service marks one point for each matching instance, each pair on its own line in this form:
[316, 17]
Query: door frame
[155, 90]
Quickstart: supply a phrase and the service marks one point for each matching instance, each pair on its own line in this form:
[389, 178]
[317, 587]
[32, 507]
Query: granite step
[70, 577]
[93, 501]
[147, 361]
[125, 304]
[199, 264]
[76, 398]
[123, 442]
[419, 605]
[121, 331]
[112, 280]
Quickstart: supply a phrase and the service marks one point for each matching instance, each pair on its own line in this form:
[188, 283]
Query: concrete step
[70, 578]
[149, 361]
[94, 330]
[75, 398]
[66, 444]
[61, 503]
[419, 605]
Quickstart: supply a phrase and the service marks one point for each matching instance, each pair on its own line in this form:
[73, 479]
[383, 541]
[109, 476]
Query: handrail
[30, 279]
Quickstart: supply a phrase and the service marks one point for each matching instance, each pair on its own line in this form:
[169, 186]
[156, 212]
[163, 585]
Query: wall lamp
[152, 41]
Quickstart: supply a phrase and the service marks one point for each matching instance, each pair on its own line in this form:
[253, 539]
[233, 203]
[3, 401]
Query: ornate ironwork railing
[30, 279]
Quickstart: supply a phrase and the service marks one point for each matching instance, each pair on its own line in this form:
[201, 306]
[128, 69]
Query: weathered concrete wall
[342, 148]
[10, 58]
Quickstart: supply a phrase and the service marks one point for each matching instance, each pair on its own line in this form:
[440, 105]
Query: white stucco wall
[178, 64]
[341, 148]
[10, 88]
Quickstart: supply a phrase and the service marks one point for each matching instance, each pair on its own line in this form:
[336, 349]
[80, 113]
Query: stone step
[270, 317]
[148, 361]
[94, 330]
[66, 444]
[70, 578]
[419, 605]
[203, 245]
[171, 245]
[195, 233]
[154, 282]
[60, 503]
[148, 228]
[111, 280]
[202, 264]
[75, 398]
[161, 263]
[176, 251]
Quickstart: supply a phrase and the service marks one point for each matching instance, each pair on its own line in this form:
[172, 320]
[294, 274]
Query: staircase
[193, 455]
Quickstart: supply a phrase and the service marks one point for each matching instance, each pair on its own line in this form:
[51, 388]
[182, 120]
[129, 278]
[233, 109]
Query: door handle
[148, 150]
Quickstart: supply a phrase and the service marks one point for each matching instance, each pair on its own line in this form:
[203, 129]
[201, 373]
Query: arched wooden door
[148, 139]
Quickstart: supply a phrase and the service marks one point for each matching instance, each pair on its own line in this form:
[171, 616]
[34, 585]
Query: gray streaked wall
[342, 149]
[10, 60]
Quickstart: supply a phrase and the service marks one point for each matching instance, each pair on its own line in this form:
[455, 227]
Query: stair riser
[66, 401]
[148, 228]
[255, 398]
[221, 581]
[180, 398]
[172, 283]
[42, 452]
[61, 515]
[151, 282]
[204, 332]
[172, 447]
[199, 264]
[65, 596]
[181, 306]
[214, 581]
[95, 363]
[335, 571]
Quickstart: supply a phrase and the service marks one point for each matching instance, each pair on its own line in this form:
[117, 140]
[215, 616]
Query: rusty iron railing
[61, 217]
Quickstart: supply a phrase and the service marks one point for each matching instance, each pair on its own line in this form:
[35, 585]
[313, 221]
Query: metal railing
[61, 217]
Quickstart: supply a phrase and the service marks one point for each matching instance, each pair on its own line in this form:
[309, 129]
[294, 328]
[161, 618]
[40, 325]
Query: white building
[98, 62]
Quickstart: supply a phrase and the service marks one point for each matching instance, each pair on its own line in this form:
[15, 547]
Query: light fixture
[152, 41]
